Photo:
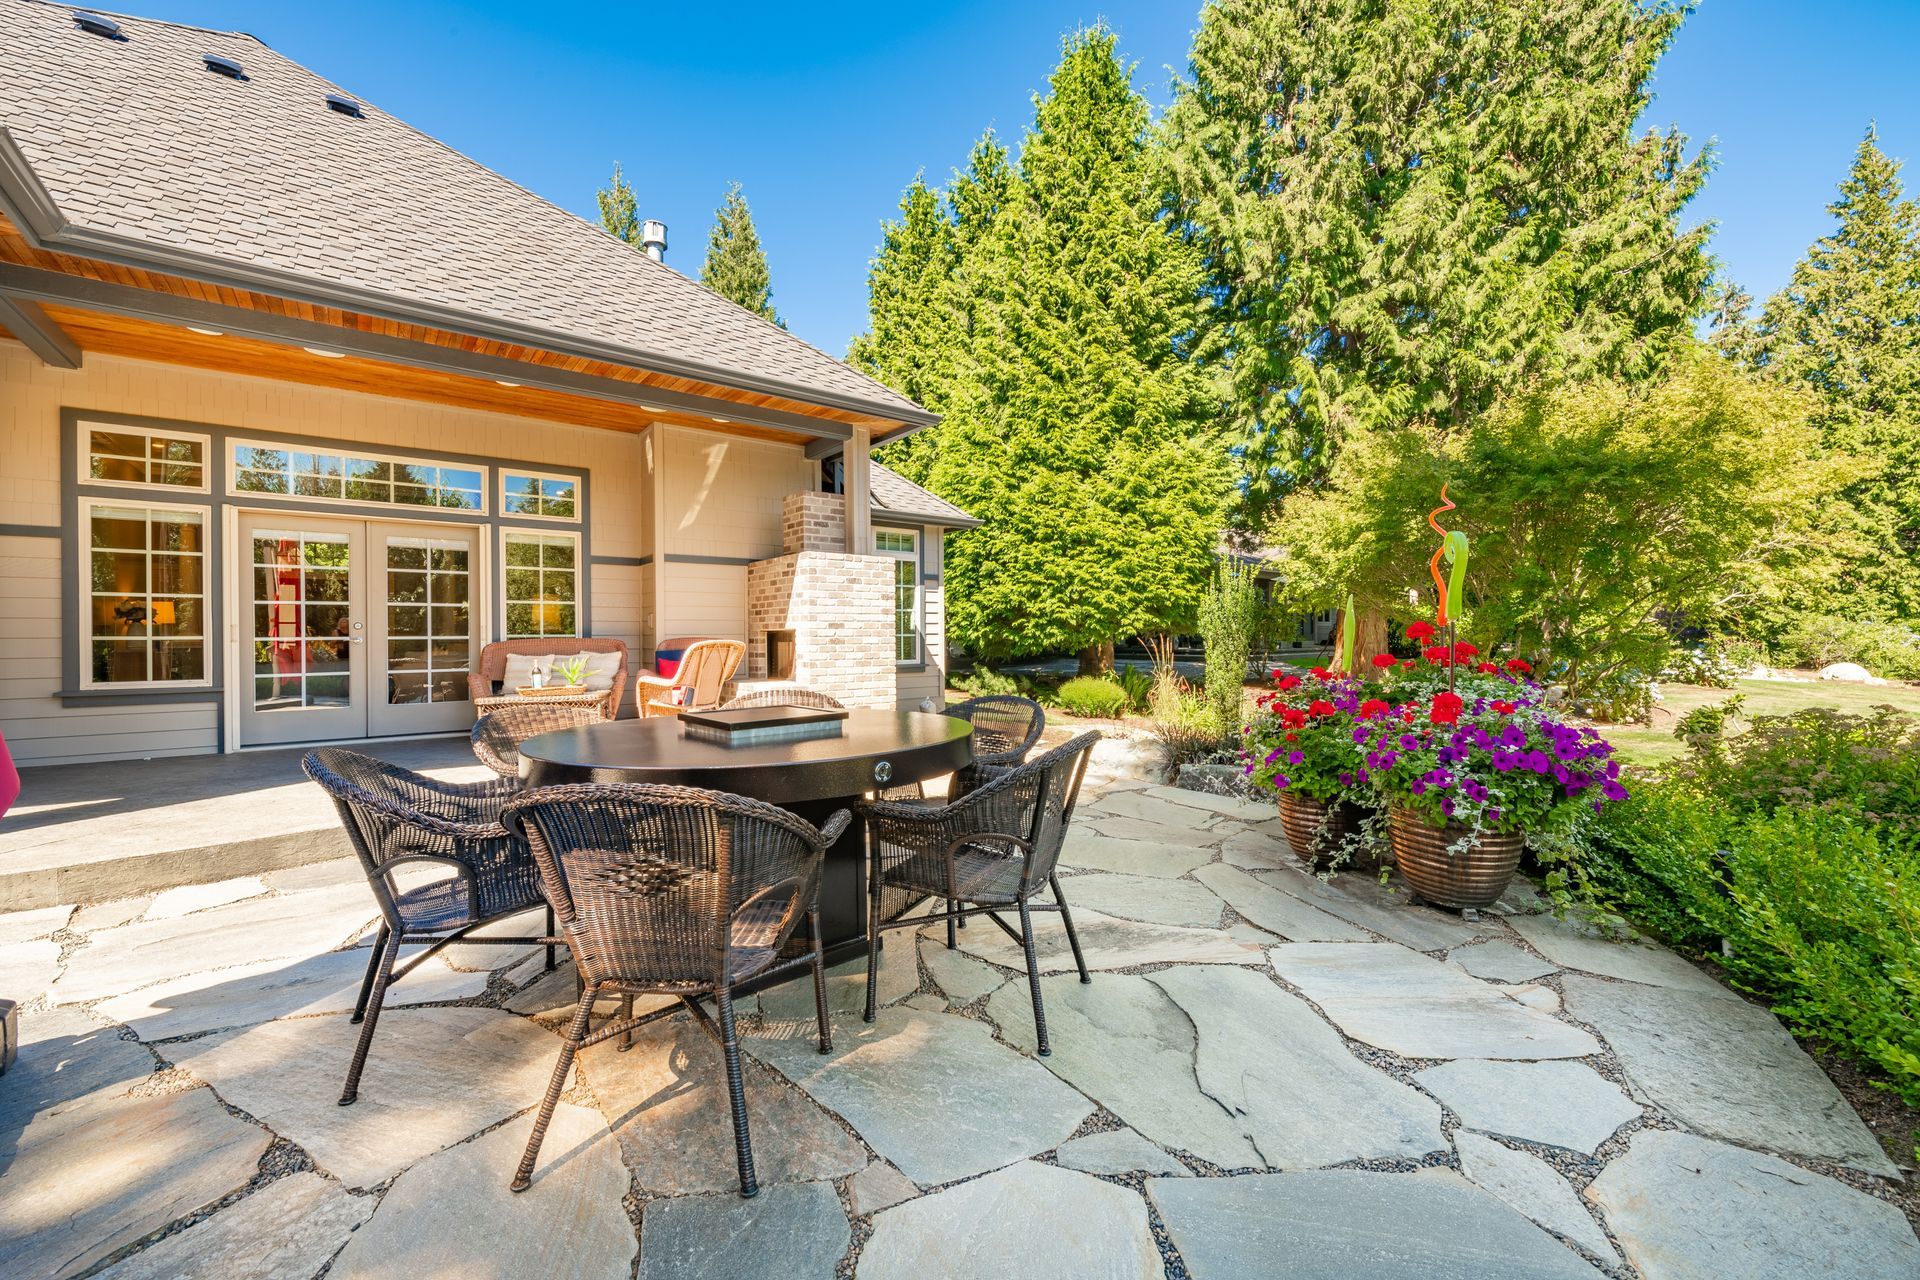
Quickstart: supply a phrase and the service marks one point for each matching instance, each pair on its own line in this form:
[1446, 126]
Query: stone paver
[1022, 1223]
[1106, 942]
[795, 1232]
[1093, 852]
[1725, 1068]
[1145, 805]
[1557, 1104]
[1153, 899]
[1358, 898]
[1575, 946]
[792, 1000]
[1530, 1185]
[964, 978]
[1256, 850]
[316, 875]
[1687, 1208]
[189, 898]
[1177, 834]
[1342, 1224]
[109, 915]
[1500, 961]
[1396, 999]
[485, 957]
[24, 926]
[1276, 912]
[246, 994]
[28, 968]
[1118, 1151]
[932, 1093]
[879, 1186]
[285, 1231]
[65, 1056]
[1228, 806]
[94, 1176]
[452, 1214]
[288, 1075]
[666, 1100]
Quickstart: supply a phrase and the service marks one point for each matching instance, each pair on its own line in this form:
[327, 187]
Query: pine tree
[736, 266]
[1074, 419]
[1847, 326]
[1408, 207]
[619, 213]
[1733, 328]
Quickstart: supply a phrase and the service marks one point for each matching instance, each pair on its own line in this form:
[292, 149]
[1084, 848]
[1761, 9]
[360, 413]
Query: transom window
[347, 477]
[904, 547]
[541, 496]
[542, 584]
[142, 456]
[146, 591]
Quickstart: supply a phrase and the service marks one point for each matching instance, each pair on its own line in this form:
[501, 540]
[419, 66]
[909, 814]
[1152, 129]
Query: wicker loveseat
[491, 670]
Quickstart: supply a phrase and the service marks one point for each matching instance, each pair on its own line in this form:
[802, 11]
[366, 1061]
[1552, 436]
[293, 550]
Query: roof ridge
[117, 15]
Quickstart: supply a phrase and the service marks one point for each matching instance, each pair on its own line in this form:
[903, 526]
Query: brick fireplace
[831, 611]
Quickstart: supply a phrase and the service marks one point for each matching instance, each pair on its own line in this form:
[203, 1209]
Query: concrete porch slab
[94, 832]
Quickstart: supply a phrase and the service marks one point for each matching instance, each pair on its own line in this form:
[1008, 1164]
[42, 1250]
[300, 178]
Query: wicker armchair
[491, 670]
[705, 674]
[678, 891]
[994, 847]
[497, 736]
[789, 696]
[396, 819]
[1005, 728]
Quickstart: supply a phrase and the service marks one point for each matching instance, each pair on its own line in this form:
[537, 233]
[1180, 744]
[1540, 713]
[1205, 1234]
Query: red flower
[1320, 707]
[1289, 682]
[1446, 708]
[1438, 655]
[1293, 737]
[1465, 650]
[1419, 631]
[1520, 665]
[1322, 673]
[1373, 707]
[1293, 717]
[1384, 660]
[1504, 708]
[1275, 673]
[1487, 669]
[1407, 664]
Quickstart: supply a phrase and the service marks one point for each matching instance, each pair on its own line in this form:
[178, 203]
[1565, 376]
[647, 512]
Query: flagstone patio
[1270, 1075]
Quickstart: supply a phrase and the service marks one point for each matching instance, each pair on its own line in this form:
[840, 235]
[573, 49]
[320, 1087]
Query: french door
[355, 628]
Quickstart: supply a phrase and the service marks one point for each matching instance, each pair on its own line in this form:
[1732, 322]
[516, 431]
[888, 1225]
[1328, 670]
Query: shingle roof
[136, 139]
[896, 495]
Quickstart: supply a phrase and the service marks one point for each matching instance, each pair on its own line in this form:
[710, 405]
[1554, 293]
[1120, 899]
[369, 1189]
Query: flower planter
[1316, 828]
[1468, 879]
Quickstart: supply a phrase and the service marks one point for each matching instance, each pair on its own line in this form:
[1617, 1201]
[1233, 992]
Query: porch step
[95, 832]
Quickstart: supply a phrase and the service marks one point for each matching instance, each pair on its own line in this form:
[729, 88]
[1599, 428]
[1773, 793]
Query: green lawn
[1651, 744]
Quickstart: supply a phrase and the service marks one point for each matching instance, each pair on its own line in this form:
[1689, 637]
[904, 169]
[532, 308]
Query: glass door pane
[302, 630]
[425, 642]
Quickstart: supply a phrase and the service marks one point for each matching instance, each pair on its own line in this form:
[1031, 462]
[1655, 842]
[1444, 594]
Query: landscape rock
[1557, 1104]
[1092, 851]
[1276, 912]
[1576, 946]
[1848, 673]
[1687, 1208]
[1106, 942]
[1531, 1186]
[1029, 1220]
[1118, 1151]
[1500, 961]
[797, 1231]
[1152, 899]
[285, 1231]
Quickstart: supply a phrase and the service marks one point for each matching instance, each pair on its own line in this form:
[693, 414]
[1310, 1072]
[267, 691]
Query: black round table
[811, 777]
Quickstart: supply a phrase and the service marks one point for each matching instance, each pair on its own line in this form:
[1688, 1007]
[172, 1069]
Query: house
[273, 363]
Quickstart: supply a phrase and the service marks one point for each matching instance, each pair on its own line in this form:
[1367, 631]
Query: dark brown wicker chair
[994, 847]
[497, 735]
[396, 818]
[1005, 728]
[678, 891]
[793, 696]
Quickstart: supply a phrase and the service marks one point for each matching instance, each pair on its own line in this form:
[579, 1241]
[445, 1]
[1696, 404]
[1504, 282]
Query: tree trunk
[1370, 637]
[1097, 659]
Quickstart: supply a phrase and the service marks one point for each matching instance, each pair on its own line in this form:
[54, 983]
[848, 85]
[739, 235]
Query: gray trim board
[30, 530]
[136, 697]
[629, 562]
[24, 319]
[674, 557]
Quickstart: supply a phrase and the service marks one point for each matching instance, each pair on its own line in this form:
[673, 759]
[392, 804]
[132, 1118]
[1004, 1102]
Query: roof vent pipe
[653, 239]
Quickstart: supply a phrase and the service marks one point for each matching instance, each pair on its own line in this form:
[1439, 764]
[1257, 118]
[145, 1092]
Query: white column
[859, 503]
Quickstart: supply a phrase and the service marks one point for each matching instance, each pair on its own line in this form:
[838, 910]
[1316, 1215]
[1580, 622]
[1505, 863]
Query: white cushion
[601, 669]
[520, 666]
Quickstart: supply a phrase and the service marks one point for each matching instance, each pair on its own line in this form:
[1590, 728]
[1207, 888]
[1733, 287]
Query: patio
[1269, 1075]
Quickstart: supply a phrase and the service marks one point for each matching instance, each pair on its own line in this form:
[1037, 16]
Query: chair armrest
[652, 682]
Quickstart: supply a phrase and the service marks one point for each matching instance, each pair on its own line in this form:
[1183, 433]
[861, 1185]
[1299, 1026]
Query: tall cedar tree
[1848, 327]
[619, 211]
[1076, 423]
[736, 265]
[1409, 207]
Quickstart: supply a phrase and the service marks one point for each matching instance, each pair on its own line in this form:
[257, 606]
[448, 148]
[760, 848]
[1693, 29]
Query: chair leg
[1073, 939]
[576, 1032]
[375, 998]
[736, 1094]
[952, 942]
[551, 961]
[1033, 982]
[820, 983]
[373, 970]
[873, 938]
[626, 1014]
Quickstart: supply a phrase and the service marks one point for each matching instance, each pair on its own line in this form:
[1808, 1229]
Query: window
[904, 547]
[341, 477]
[544, 497]
[146, 593]
[139, 456]
[542, 577]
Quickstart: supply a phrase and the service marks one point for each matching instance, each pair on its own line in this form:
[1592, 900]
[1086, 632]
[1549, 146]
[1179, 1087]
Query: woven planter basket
[1472, 878]
[1315, 828]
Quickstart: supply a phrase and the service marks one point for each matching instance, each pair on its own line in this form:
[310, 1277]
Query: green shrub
[981, 681]
[1187, 725]
[1230, 616]
[1884, 648]
[1093, 696]
[1138, 682]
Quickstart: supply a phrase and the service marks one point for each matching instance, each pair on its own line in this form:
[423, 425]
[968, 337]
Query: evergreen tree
[619, 213]
[736, 266]
[1074, 418]
[1408, 207]
[1733, 328]
[1847, 326]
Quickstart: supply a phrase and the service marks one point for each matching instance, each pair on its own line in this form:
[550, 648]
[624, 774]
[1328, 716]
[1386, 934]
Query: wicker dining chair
[1005, 728]
[787, 696]
[676, 891]
[398, 819]
[497, 735]
[994, 847]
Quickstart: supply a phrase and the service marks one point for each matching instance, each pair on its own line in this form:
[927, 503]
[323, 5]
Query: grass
[1655, 743]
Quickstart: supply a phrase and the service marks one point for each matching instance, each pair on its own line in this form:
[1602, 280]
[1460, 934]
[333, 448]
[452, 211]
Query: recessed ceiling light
[323, 351]
[211, 333]
[504, 383]
[723, 419]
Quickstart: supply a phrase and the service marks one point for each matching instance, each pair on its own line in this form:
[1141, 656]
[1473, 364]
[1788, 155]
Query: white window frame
[507, 532]
[209, 625]
[912, 556]
[515, 473]
[345, 450]
[83, 455]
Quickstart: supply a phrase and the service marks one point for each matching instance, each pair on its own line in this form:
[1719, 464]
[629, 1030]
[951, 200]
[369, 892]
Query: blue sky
[824, 112]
